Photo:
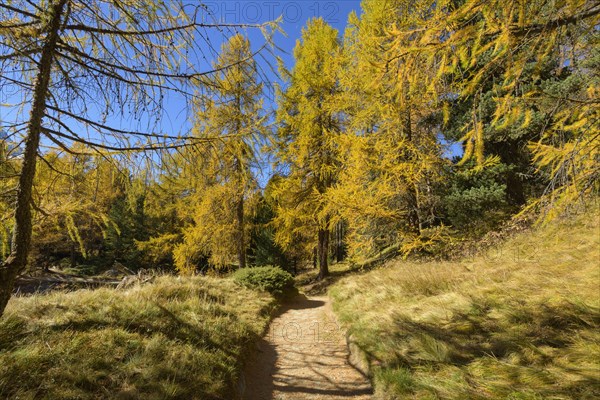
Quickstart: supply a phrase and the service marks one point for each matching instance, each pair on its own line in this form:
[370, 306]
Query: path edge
[357, 357]
[250, 349]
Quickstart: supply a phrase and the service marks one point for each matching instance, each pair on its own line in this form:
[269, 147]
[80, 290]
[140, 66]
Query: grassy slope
[176, 339]
[519, 322]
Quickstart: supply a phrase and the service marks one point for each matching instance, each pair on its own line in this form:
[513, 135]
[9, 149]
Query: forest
[153, 138]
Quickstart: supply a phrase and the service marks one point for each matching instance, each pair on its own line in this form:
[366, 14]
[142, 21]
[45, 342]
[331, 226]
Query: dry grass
[310, 284]
[518, 322]
[173, 339]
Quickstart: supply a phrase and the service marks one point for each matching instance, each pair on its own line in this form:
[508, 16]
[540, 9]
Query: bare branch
[19, 11]
[89, 29]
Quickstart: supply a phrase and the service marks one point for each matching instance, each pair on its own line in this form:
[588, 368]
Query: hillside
[207, 169]
[175, 338]
[518, 322]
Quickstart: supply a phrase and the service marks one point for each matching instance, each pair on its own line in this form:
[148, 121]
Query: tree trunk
[323, 247]
[17, 260]
[414, 222]
[511, 153]
[241, 250]
[241, 245]
[413, 215]
[73, 256]
[339, 237]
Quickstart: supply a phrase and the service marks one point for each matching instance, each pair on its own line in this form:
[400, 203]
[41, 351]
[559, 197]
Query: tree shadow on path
[295, 360]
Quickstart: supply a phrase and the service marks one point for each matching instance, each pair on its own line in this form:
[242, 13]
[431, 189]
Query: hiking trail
[304, 356]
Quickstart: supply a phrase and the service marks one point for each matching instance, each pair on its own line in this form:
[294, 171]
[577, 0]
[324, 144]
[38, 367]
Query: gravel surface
[304, 356]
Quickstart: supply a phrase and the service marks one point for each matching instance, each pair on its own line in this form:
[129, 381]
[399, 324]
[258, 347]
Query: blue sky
[293, 16]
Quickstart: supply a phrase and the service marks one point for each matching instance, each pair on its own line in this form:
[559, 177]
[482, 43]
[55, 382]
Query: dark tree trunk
[511, 152]
[414, 222]
[339, 239]
[73, 256]
[17, 260]
[315, 257]
[415, 214]
[241, 245]
[323, 248]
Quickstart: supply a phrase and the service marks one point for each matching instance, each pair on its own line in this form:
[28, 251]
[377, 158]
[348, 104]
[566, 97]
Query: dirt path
[304, 356]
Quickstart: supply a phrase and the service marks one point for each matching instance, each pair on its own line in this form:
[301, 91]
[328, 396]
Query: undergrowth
[172, 339]
[268, 278]
[520, 321]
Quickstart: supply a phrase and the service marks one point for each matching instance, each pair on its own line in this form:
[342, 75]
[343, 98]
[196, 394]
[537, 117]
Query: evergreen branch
[19, 53]
[78, 139]
[124, 68]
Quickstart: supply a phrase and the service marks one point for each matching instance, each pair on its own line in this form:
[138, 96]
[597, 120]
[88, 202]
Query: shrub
[271, 279]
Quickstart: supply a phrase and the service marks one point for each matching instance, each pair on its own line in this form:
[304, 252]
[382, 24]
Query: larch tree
[9, 169]
[391, 158]
[510, 46]
[72, 194]
[78, 66]
[310, 122]
[227, 189]
[169, 203]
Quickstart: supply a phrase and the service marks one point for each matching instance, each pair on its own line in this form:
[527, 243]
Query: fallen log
[41, 284]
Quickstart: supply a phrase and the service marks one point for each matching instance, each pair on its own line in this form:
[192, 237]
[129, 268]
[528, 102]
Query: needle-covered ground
[518, 322]
[172, 339]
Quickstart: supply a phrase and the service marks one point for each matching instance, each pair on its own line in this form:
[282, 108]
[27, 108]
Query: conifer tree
[227, 189]
[391, 159]
[310, 122]
[509, 46]
[78, 63]
[72, 196]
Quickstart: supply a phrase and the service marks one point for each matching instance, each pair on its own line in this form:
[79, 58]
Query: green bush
[477, 200]
[271, 279]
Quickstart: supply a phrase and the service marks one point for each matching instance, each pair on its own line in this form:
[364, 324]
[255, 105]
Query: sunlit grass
[518, 322]
[172, 339]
